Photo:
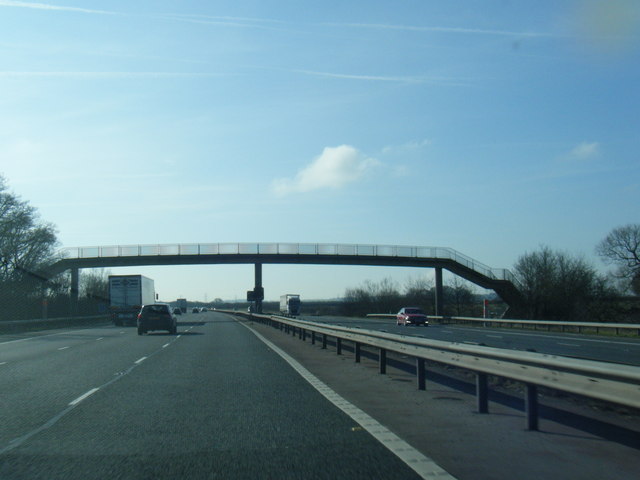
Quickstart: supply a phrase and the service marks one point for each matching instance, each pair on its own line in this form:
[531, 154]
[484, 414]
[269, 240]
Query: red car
[411, 316]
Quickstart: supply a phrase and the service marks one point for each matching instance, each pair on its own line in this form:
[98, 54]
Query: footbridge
[501, 280]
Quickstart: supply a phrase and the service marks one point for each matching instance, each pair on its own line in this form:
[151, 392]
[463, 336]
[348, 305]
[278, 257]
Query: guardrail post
[324, 341]
[338, 345]
[313, 337]
[301, 333]
[357, 352]
[482, 393]
[531, 406]
[382, 361]
[304, 335]
[420, 376]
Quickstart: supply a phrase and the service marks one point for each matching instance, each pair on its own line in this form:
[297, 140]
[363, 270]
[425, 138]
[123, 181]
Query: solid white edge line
[140, 360]
[420, 463]
[3, 363]
[63, 348]
[165, 345]
[82, 397]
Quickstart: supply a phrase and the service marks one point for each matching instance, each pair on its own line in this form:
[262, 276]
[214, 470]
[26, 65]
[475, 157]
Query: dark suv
[156, 316]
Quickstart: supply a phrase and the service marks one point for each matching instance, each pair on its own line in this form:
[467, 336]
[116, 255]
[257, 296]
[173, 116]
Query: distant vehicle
[195, 310]
[411, 316]
[182, 304]
[177, 311]
[204, 309]
[290, 304]
[156, 316]
[127, 295]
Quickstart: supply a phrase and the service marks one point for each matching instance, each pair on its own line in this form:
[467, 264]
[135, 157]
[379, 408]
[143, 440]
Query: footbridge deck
[501, 280]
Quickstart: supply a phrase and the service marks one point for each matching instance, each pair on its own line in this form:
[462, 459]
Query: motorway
[217, 401]
[210, 402]
[606, 349]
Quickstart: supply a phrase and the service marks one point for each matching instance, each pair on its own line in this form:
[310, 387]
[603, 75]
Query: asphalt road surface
[606, 349]
[210, 402]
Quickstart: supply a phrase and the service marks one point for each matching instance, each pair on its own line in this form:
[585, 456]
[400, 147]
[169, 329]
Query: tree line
[27, 247]
[554, 284]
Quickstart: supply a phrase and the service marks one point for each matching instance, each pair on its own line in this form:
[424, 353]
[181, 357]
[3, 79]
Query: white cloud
[585, 150]
[334, 168]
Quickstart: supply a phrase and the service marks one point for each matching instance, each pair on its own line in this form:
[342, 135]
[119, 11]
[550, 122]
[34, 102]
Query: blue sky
[491, 127]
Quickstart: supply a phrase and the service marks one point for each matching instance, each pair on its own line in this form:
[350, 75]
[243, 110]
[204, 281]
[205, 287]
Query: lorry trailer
[127, 295]
[290, 304]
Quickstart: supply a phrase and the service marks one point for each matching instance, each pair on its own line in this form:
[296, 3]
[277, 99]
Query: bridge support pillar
[439, 296]
[258, 287]
[75, 290]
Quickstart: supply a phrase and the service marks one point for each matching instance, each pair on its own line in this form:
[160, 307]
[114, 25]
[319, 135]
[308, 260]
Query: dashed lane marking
[82, 397]
[140, 360]
[16, 442]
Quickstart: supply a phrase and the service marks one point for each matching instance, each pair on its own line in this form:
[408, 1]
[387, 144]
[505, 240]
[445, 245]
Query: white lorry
[127, 294]
[290, 304]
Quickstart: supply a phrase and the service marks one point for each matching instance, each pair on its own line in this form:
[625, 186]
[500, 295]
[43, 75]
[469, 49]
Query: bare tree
[558, 286]
[459, 296]
[622, 248]
[94, 284]
[419, 292]
[26, 243]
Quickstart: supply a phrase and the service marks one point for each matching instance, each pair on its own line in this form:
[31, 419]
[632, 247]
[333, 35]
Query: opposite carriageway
[500, 280]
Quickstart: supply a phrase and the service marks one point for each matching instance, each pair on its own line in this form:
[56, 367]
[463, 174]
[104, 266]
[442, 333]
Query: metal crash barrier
[615, 383]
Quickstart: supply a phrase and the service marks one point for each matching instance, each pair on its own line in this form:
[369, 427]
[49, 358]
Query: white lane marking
[165, 345]
[637, 344]
[121, 332]
[140, 360]
[98, 339]
[569, 344]
[494, 336]
[82, 397]
[421, 464]
[178, 336]
[42, 336]
[63, 348]
[3, 363]
[16, 442]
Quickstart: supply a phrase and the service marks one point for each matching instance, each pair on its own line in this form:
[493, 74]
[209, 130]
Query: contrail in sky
[45, 6]
[468, 31]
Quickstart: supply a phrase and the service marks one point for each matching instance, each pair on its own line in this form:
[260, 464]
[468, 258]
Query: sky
[491, 127]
